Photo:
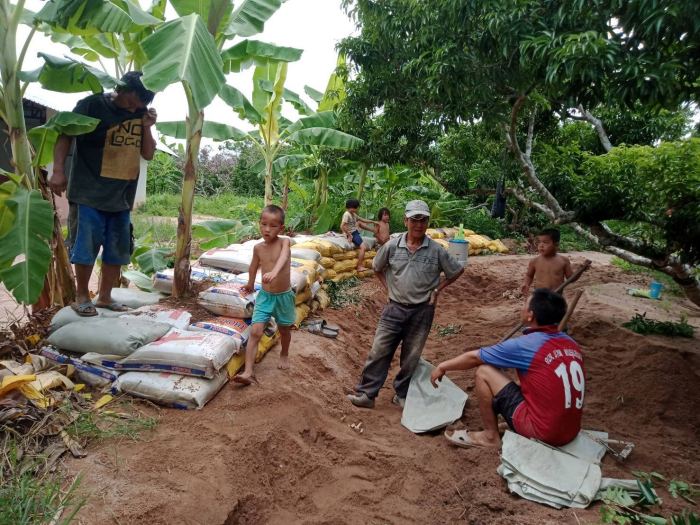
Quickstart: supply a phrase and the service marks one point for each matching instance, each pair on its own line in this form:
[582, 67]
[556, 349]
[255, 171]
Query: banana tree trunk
[195, 121]
[285, 192]
[363, 179]
[268, 180]
[12, 93]
[324, 186]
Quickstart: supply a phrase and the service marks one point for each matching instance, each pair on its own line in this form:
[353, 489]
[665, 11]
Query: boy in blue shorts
[350, 223]
[276, 299]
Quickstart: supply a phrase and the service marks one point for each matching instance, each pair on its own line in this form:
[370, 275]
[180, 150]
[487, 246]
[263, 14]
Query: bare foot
[245, 379]
[283, 363]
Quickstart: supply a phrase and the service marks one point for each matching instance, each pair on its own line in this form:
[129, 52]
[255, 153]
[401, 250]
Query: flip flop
[460, 438]
[114, 306]
[321, 327]
[86, 309]
[245, 381]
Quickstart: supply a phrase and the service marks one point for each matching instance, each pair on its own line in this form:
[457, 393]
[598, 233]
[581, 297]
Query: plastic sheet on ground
[119, 336]
[172, 390]
[428, 408]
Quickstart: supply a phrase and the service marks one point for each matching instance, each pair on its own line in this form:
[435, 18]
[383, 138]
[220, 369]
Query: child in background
[381, 228]
[350, 223]
[276, 299]
[549, 269]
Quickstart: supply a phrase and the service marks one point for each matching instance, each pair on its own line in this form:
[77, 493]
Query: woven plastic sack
[172, 390]
[345, 266]
[327, 262]
[267, 341]
[227, 299]
[302, 297]
[350, 254]
[339, 240]
[135, 298]
[120, 336]
[306, 253]
[369, 242]
[478, 242]
[175, 318]
[331, 274]
[323, 299]
[237, 328]
[325, 249]
[183, 352]
[301, 312]
[232, 260]
[67, 315]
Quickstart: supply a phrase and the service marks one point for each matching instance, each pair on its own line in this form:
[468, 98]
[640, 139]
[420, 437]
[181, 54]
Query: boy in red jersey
[548, 404]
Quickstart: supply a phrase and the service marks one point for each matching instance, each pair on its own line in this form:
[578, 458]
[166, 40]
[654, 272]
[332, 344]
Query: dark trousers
[408, 325]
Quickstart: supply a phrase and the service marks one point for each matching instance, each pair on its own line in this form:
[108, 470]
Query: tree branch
[529, 202]
[608, 237]
[598, 125]
[530, 135]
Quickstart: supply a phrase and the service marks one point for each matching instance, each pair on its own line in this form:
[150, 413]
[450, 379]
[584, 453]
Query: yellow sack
[344, 275]
[327, 262]
[369, 254]
[9, 383]
[264, 346]
[302, 297]
[498, 246]
[308, 268]
[315, 306]
[345, 266]
[52, 379]
[367, 263]
[477, 242]
[323, 300]
[365, 274]
[350, 254]
[434, 234]
[331, 274]
[314, 245]
[329, 247]
[443, 242]
[301, 312]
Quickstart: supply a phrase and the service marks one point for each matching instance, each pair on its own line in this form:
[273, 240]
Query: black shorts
[506, 401]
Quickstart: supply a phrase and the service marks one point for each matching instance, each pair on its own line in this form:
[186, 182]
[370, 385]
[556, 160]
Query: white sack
[236, 261]
[119, 336]
[184, 352]
[227, 300]
[306, 253]
[171, 390]
[175, 318]
[135, 298]
[428, 408]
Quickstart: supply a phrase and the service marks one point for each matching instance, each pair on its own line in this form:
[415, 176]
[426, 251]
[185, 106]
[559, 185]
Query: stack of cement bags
[478, 244]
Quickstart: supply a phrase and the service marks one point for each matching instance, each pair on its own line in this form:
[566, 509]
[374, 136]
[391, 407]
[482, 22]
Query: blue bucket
[655, 290]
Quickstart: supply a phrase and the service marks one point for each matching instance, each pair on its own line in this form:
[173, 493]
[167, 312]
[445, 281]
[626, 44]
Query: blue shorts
[278, 305]
[92, 229]
[357, 239]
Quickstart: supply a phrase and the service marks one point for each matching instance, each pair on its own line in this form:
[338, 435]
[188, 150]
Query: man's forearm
[60, 153]
[382, 279]
[447, 282]
[462, 362]
[148, 143]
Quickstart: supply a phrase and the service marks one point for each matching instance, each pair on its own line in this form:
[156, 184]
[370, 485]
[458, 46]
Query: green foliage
[670, 286]
[641, 325]
[43, 138]
[684, 490]
[224, 205]
[31, 496]
[24, 249]
[91, 426]
[344, 293]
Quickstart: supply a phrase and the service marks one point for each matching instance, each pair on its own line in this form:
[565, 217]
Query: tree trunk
[268, 180]
[324, 186]
[363, 179]
[285, 191]
[195, 121]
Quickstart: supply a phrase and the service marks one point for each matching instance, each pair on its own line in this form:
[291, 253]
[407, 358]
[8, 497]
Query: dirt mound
[284, 452]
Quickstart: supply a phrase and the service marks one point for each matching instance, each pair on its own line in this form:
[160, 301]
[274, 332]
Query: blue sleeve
[513, 353]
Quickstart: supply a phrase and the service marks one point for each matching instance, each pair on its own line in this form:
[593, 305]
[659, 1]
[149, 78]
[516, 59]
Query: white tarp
[428, 408]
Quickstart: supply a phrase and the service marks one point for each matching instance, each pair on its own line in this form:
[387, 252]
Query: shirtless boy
[381, 228]
[276, 299]
[549, 269]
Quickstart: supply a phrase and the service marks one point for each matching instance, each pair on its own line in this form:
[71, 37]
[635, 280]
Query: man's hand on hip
[434, 296]
[57, 182]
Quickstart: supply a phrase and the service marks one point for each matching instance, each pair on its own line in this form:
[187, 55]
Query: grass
[641, 325]
[93, 426]
[670, 286]
[343, 293]
[448, 329]
[224, 205]
[30, 493]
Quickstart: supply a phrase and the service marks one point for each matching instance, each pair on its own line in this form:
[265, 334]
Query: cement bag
[477, 242]
[345, 266]
[199, 354]
[267, 341]
[323, 300]
[242, 279]
[176, 318]
[365, 274]
[239, 329]
[135, 298]
[498, 246]
[350, 254]
[302, 297]
[327, 262]
[172, 390]
[119, 336]
[309, 268]
[369, 242]
[330, 274]
[232, 260]
[227, 299]
[306, 254]
[299, 280]
[92, 374]
[301, 313]
[434, 233]
[326, 249]
[340, 240]
[369, 254]
[443, 243]
[67, 315]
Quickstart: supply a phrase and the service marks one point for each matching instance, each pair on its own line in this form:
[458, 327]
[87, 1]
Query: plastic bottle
[460, 233]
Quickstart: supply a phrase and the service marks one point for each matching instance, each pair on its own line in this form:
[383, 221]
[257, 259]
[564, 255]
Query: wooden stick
[570, 310]
[585, 266]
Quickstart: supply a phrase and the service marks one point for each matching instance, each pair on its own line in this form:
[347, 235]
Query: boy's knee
[257, 329]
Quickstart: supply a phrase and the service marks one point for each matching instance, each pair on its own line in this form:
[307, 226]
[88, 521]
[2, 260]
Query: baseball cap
[415, 208]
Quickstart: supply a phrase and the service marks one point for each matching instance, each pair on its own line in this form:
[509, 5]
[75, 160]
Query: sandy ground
[284, 452]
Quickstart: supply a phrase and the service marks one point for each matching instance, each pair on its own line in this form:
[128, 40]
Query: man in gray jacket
[409, 267]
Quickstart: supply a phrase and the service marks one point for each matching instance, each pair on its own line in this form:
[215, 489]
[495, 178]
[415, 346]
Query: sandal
[461, 438]
[321, 327]
[114, 306]
[86, 309]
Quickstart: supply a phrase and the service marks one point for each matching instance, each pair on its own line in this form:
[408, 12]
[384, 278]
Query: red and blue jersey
[550, 368]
